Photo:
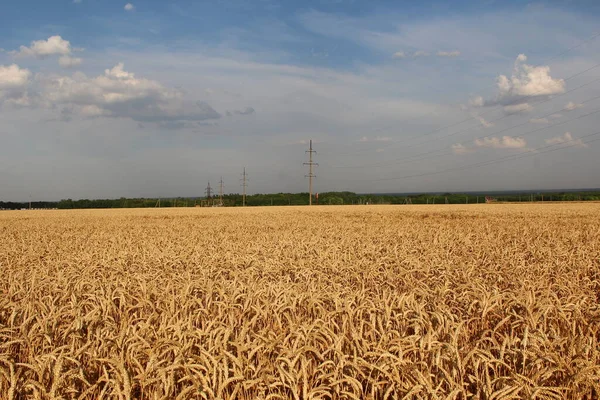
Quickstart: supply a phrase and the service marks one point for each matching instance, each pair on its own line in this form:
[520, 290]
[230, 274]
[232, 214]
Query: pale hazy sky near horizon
[107, 99]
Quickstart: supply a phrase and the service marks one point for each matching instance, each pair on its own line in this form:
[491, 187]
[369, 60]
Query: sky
[109, 99]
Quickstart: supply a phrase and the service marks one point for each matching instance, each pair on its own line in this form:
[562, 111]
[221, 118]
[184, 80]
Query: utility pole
[310, 175]
[244, 184]
[221, 192]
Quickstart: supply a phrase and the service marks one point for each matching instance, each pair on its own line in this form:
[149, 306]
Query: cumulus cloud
[539, 120]
[454, 53]
[399, 54]
[129, 7]
[53, 46]
[13, 76]
[420, 53]
[120, 94]
[13, 85]
[518, 108]
[529, 80]
[506, 142]
[573, 106]
[567, 138]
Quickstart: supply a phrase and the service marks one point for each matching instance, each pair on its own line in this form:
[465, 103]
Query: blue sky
[109, 98]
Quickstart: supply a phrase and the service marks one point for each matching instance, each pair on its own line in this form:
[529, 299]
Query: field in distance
[480, 301]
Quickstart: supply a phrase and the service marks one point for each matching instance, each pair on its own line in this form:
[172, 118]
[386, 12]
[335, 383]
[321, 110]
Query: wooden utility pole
[310, 175]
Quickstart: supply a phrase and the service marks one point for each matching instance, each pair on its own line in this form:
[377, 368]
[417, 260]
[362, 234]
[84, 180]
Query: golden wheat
[372, 302]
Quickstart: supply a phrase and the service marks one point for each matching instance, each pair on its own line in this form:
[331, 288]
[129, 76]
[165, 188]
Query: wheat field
[350, 302]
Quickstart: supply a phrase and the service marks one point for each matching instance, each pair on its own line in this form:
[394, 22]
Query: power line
[518, 100]
[501, 159]
[430, 154]
[310, 175]
[510, 114]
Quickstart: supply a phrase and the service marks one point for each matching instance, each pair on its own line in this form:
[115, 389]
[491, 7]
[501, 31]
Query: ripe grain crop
[351, 302]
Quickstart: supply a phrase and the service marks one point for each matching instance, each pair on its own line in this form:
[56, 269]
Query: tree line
[298, 199]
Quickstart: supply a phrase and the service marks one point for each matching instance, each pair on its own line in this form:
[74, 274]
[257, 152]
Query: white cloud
[528, 80]
[120, 94]
[518, 108]
[129, 7]
[420, 53]
[572, 106]
[567, 138]
[55, 45]
[13, 76]
[13, 85]
[556, 116]
[399, 54]
[69, 62]
[454, 53]
[506, 142]
[539, 120]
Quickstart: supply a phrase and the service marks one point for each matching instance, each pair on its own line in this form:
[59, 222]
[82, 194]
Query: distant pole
[244, 185]
[310, 175]
[221, 192]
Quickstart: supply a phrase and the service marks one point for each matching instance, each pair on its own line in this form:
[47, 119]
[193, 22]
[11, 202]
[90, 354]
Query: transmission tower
[208, 191]
[244, 185]
[310, 175]
[221, 192]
